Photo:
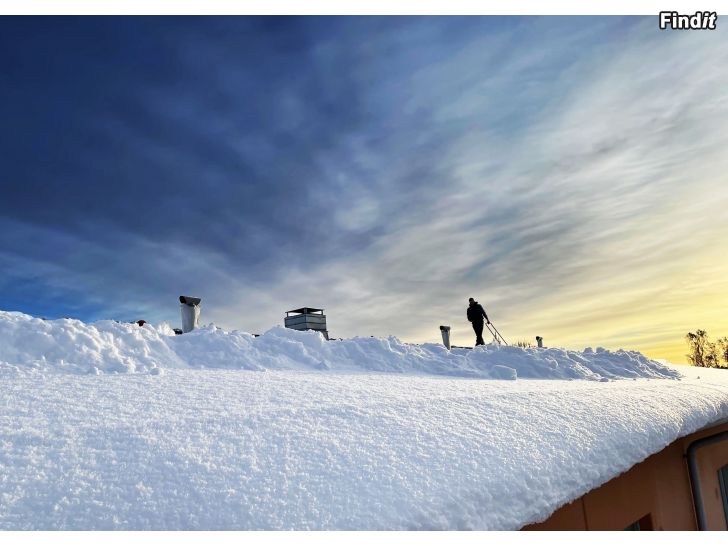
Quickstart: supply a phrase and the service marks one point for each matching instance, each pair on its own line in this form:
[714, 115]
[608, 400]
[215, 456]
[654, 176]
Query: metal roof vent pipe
[190, 313]
[445, 331]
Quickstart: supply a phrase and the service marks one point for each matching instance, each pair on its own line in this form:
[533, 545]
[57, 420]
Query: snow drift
[115, 426]
[238, 450]
[111, 347]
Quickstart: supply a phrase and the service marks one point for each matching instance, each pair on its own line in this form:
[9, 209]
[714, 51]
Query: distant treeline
[705, 353]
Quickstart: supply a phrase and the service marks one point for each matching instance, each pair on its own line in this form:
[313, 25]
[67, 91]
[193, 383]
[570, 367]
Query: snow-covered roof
[116, 426]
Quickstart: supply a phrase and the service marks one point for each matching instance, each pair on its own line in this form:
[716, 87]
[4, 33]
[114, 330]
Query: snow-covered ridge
[384, 440]
[72, 346]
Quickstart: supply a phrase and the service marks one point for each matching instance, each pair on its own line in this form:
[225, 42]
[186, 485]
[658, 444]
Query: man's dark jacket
[476, 313]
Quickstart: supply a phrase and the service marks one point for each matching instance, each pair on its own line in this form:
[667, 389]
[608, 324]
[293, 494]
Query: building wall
[655, 492]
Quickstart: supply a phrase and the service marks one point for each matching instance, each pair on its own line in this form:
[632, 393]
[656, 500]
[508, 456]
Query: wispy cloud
[568, 172]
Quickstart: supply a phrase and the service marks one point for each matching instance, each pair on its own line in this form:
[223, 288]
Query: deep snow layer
[113, 426]
[234, 449]
[110, 347]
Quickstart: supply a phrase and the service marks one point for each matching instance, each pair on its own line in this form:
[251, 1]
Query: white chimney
[190, 313]
[445, 331]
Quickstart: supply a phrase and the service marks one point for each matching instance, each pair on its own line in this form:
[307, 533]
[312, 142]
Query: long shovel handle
[502, 338]
[496, 334]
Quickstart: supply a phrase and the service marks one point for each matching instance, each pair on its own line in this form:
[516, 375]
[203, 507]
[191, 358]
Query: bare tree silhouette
[723, 349]
[703, 353]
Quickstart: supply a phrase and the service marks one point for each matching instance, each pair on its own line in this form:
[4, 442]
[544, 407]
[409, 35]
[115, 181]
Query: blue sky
[385, 169]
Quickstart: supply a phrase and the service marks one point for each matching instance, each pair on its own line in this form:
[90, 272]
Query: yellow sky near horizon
[652, 316]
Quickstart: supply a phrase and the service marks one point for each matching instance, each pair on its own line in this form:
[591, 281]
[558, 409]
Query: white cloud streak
[598, 209]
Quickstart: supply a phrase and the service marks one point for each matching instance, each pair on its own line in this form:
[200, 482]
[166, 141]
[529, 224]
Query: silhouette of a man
[476, 314]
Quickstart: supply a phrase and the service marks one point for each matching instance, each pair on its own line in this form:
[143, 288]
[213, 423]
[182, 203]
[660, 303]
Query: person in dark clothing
[476, 314]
